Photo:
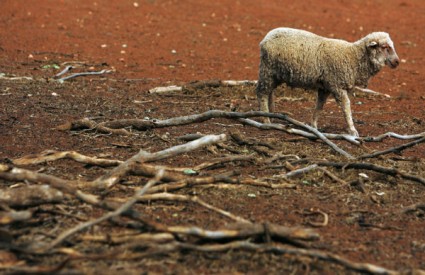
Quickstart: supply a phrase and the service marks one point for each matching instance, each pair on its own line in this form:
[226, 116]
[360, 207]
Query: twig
[369, 166]
[112, 177]
[293, 131]
[396, 149]
[173, 197]
[325, 256]
[123, 208]
[51, 155]
[325, 221]
[61, 80]
[414, 207]
[300, 171]
[393, 135]
[30, 195]
[148, 124]
[64, 71]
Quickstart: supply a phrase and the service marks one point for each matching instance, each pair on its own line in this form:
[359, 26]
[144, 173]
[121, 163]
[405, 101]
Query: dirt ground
[154, 43]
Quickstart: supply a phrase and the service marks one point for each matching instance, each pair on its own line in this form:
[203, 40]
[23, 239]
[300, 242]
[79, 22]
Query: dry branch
[369, 166]
[30, 195]
[396, 149]
[118, 211]
[51, 155]
[112, 177]
[280, 249]
[393, 135]
[293, 131]
[248, 230]
[183, 198]
[11, 216]
[124, 238]
[141, 124]
[61, 80]
[66, 186]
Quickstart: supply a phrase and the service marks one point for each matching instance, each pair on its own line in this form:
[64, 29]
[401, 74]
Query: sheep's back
[303, 59]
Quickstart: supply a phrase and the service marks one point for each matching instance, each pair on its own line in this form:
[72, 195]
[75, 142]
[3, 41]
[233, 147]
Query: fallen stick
[396, 149]
[112, 177]
[183, 198]
[184, 120]
[393, 135]
[369, 166]
[286, 129]
[61, 80]
[64, 71]
[124, 238]
[244, 230]
[11, 216]
[30, 195]
[300, 171]
[51, 155]
[279, 249]
[66, 186]
[118, 211]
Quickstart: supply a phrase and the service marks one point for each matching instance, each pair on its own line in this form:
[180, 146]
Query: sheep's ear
[372, 44]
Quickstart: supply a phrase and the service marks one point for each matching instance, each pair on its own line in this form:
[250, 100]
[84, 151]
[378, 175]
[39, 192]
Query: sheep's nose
[394, 62]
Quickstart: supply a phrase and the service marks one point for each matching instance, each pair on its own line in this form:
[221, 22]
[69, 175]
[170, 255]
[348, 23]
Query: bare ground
[161, 43]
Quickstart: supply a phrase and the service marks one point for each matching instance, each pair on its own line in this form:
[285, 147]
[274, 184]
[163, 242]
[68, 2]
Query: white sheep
[330, 66]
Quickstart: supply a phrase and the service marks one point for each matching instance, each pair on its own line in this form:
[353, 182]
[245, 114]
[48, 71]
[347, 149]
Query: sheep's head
[381, 50]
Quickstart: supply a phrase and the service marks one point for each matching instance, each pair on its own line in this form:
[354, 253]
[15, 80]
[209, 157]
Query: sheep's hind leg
[342, 98]
[322, 96]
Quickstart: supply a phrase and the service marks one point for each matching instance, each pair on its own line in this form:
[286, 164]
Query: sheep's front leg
[263, 101]
[322, 95]
[342, 98]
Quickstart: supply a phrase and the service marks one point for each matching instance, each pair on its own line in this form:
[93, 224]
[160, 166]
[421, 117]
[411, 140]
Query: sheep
[331, 66]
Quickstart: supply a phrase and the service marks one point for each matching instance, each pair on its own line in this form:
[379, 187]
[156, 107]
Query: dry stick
[51, 155]
[184, 120]
[333, 176]
[325, 256]
[69, 187]
[66, 186]
[123, 238]
[30, 195]
[414, 207]
[247, 230]
[173, 197]
[300, 171]
[61, 80]
[368, 166]
[393, 135]
[11, 216]
[319, 135]
[227, 159]
[396, 149]
[286, 129]
[118, 211]
[112, 177]
[187, 182]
